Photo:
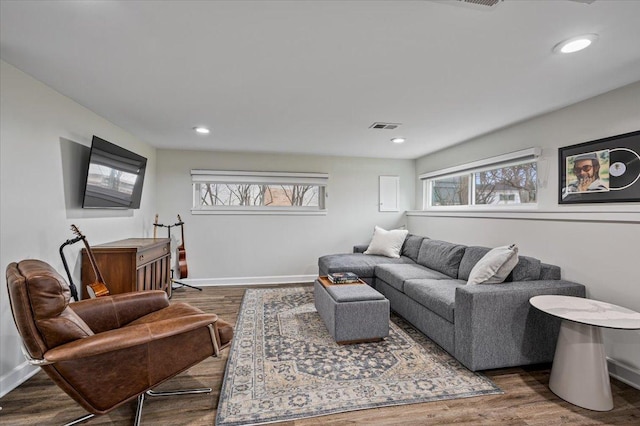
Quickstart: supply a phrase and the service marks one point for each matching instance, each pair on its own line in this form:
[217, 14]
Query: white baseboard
[16, 377]
[624, 373]
[231, 281]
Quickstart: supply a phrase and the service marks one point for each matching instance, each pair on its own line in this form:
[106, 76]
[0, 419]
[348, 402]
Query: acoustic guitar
[182, 253]
[98, 288]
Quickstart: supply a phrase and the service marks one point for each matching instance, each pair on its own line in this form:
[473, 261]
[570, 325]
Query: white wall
[592, 249]
[237, 246]
[44, 140]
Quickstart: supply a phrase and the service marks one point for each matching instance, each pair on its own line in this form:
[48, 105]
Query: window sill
[528, 214]
[236, 212]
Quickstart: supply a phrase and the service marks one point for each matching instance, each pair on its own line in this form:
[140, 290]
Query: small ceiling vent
[385, 126]
[488, 3]
[475, 4]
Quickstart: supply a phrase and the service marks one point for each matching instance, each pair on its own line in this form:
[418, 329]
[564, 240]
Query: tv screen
[114, 177]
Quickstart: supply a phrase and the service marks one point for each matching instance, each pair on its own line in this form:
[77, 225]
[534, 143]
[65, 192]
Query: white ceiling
[312, 76]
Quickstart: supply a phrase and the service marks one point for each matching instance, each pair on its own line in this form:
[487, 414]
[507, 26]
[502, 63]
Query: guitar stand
[180, 283]
[72, 286]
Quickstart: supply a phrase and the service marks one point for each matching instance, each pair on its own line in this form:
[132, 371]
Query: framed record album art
[601, 171]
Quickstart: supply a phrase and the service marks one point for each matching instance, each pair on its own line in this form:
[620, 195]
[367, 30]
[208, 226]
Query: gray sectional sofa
[484, 326]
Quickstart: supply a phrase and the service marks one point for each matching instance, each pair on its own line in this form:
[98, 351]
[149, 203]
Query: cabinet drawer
[151, 254]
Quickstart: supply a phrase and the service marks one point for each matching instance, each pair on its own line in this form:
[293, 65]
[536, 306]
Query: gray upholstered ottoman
[353, 313]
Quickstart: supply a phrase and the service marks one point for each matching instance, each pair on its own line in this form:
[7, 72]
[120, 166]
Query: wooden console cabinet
[134, 264]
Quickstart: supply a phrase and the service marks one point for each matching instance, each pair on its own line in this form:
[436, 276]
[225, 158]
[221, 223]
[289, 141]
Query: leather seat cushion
[176, 310]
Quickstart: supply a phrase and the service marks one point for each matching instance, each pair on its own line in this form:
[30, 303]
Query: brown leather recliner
[104, 352]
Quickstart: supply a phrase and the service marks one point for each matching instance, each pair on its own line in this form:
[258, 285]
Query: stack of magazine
[343, 278]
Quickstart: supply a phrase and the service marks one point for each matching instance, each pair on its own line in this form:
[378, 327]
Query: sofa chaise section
[363, 265]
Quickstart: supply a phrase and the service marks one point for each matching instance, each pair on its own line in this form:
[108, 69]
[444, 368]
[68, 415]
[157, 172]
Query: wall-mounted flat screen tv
[114, 177]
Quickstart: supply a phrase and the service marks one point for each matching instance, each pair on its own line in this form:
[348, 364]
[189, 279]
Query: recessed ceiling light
[398, 140]
[575, 44]
[202, 130]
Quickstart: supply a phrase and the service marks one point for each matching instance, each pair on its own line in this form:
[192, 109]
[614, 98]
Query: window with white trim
[507, 180]
[220, 192]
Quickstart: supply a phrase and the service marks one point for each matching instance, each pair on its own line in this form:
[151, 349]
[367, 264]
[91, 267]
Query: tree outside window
[226, 194]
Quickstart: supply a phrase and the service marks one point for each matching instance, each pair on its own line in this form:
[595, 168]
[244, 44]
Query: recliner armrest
[111, 312]
[127, 337]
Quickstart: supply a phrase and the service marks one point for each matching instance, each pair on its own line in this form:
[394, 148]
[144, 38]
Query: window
[450, 191]
[507, 180]
[515, 184]
[216, 192]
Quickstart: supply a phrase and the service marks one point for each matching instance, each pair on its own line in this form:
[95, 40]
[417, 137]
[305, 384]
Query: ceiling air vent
[385, 126]
[488, 3]
[475, 4]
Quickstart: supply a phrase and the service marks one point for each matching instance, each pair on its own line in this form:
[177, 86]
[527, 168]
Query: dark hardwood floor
[527, 399]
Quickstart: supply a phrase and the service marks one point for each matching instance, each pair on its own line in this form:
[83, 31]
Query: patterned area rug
[284, 365]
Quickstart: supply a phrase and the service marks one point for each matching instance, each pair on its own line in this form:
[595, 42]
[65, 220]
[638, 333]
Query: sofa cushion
[495, 266]
[472, 255]
[387, 243]
[411, 246]
[360, 248]
[527, 269]
[549, 272]
[441, 256]
[360, 264]
[395, 275]
[438, 296]
[353, 293]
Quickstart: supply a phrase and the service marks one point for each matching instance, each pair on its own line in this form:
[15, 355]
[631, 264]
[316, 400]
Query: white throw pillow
[387, 243]
[495, 266]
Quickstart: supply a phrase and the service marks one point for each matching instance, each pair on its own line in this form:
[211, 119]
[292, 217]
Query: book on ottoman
[343, 278]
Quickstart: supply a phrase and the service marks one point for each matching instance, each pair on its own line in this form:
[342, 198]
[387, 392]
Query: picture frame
[600, 171]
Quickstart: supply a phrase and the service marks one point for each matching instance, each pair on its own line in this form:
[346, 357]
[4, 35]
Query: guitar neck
[93, 262]
[181, 223]
[155, 227]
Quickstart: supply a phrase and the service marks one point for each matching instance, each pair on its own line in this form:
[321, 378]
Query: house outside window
[509, 180]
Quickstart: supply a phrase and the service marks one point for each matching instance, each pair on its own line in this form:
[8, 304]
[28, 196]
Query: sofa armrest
[495, 325]
[360, 248]
[111, 312]
[549, 272]
[127, 337]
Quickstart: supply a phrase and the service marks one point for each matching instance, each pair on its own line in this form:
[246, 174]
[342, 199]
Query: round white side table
[579, 373]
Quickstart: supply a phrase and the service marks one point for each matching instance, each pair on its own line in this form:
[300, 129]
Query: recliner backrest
[39, 299]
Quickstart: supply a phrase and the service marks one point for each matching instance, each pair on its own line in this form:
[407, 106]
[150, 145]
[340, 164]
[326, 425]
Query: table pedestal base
[579, 374]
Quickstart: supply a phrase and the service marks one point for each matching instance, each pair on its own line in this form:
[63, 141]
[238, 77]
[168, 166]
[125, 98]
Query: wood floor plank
[527, 399]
